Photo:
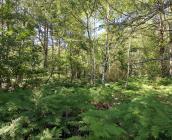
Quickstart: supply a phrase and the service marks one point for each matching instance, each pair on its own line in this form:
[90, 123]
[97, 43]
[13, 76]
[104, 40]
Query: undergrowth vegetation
[142, 111]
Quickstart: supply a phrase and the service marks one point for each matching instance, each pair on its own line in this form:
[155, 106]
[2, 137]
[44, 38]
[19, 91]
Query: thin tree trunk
[46, 45]
[52, 54]
[105, 61]
[71, 65]
[106, 49]
[2, 35]
[91, 51]
[129, 61]
[170, 45]
[94, 55]
[59, 55]
[171, 59]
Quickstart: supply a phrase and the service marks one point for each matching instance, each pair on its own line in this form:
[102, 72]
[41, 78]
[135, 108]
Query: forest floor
[57, 110]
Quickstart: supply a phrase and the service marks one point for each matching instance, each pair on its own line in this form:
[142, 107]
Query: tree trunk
[45, 45]
[52, 54]
[170, 45]
[59, 55]
[128, 64]
[2, 35]
[162, 47]
[91, 51]
[106, 49]
[106, 59]
[171, 58]
[71, 65]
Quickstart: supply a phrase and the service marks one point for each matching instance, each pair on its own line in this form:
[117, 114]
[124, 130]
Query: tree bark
[91, 51]
[170, 45]
[106, 49]
[2, 34]
[59, 55]
[129, 63]
[46, 45]
[162, 46]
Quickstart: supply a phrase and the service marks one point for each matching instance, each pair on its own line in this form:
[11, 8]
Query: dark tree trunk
[46, 45]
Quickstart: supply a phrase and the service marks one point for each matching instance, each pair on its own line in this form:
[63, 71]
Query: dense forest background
[85, 69]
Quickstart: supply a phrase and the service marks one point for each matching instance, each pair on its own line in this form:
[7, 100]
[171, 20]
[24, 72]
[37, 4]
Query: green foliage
[142, 118]
[102, 126]
[55, 53]
[165, 81]
[88, 113]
